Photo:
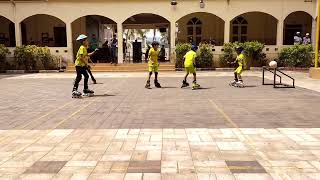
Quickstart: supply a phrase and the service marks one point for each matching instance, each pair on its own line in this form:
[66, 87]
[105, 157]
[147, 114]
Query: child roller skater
[240, 63]
[153, 65]
[81, 64]
[189, 65]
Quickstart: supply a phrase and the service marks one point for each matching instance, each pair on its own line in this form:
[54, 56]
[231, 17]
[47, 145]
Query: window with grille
[239, 30]
[194, 30]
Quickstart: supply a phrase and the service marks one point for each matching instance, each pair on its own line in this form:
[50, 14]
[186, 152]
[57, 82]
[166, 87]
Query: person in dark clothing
[162, 54]
[114, 48]
[147, 53]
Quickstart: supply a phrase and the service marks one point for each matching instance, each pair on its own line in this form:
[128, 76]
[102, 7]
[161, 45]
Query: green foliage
[181, 50]
[204, 56]
[4, 51]
[31, 57]
[48, 60]
[252, 50]
[228, 54]
[25, 57]
[296, 56]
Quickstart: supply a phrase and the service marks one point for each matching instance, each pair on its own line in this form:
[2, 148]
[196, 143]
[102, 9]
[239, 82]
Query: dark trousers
[114, 55]
[81, 71]
[90, 73]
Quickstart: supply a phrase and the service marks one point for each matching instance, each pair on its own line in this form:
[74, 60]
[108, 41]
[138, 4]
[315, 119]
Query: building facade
[56, 23]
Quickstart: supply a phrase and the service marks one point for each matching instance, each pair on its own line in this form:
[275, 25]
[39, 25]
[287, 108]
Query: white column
[314, 32]
[18, 34]
[173, 32]
[227, 31]
[69, 42]
[280, 32]
[120, 42]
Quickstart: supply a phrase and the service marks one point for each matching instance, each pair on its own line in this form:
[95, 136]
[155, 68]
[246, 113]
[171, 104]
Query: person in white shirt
[307, 39]
[297, 38]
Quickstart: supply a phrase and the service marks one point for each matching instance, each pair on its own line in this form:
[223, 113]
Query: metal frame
[275, 75]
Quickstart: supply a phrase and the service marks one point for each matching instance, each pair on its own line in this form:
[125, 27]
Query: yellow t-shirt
[189, 58]
[241, 60]
[82, 52]
[153, 56]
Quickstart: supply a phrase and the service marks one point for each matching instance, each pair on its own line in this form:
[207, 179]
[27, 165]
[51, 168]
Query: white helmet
[82, 37]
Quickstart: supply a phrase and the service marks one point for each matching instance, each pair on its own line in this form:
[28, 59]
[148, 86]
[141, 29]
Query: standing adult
[114, 49]
[147, 53]
[307, 39]
[297, 38]
[162, 54]
[124, 48]
[93, 43]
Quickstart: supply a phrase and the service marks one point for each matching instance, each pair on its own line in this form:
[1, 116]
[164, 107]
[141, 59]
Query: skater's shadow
[103, 95]
[169, 87]
[250, 86]
[96, 83]
[203, 88]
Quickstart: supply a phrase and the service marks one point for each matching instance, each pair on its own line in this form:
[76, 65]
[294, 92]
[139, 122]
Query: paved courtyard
[129, 132]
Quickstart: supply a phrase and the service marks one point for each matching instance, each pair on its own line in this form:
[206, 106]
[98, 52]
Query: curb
[29, 71]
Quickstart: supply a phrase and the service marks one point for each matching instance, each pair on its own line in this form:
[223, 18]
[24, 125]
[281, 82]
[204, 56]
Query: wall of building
[38, 24]
[5, 30]
[119, 11]
[78, 27]
[261, 27]
[212, 27]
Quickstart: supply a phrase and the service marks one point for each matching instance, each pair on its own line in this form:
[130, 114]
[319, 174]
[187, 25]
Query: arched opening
[201, 27]
[139, 31]
[254, 26]
[296, 22]
[7, 32]
[100, 31]
[44, 30]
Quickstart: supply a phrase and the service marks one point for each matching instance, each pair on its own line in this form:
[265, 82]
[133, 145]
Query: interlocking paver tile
[36, 176]
[232, 146]
[117, 156]
[253, 176]
[133, 176]
[111, 176]
[61, 176]
[76, 169]
[119, 167]
[81, 164]
[206, 176]
[169, 166]
[154, 155]
[245, 167]
[45, 167]
[151, 176]
[144, 167]
[103, 167]
[123, 133]
[179, 177]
